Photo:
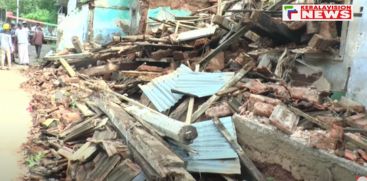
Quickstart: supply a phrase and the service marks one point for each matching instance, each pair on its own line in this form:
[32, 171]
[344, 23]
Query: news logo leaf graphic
[290, 11]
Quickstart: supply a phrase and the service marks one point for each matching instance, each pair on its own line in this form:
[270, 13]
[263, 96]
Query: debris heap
[144, 106]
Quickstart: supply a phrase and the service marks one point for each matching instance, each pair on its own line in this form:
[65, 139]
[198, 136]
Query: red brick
[322, 141]
[336, 132]
[216, 63]
[303, 93]
[150, 68]
[70, 116]
[350, 155]
[220, 110]
[363, 154]
[263, 109]
[255, 86]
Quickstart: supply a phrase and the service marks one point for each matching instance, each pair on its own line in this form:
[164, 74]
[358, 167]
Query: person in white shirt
[22, 36]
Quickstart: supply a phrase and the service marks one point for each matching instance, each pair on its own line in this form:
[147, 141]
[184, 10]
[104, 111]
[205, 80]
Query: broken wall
[267, 145]
[337, 69]
[110, 18]
[74, 24]
[114, 18]
[356, 55]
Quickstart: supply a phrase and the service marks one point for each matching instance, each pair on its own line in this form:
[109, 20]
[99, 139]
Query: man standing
[38, 39]
[22, 37]
[6, 46]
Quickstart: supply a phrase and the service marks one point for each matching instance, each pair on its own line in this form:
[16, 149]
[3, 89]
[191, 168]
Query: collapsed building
[210, 90]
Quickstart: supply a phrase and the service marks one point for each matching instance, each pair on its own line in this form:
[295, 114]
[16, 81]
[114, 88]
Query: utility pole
[17, 11]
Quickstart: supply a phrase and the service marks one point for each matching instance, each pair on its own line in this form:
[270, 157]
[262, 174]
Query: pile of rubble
[157, 105]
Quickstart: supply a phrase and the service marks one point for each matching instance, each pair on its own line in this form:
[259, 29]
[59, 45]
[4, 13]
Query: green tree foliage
[41, 10]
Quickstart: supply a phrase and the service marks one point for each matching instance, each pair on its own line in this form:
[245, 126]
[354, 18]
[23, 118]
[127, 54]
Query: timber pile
[85, 125]
[84, 135]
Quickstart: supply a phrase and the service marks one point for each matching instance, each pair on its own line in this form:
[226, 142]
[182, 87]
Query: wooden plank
[195, 34]
[279, 69]
[84, 152]
[163, 60]
[246, 161]
[126, 171]
[68, 57]
[309, 117]
[249, 66]
[133, 73]
[84, 109]
[68, 68]
[101, 70]
[103, 167]
[180, 110]
[65, 152]
[190, 107]
[76, 131]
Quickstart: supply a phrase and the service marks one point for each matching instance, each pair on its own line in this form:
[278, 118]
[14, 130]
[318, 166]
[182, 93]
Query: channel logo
[317, 12]
[290, 11]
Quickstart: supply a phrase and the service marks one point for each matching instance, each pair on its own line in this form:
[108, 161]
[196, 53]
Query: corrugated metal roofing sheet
[201, 84]
[184, 81]
[231, 166]
[159, 89]
[210, 144]
[212, 153]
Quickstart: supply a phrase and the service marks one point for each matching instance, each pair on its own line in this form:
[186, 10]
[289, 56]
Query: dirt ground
[15, 123]
[32, 52]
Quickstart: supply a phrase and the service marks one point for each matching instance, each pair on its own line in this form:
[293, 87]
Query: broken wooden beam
[69, 56]
[180, 111]
[168, 127]
[103, 167]
[309, 117]
[195, 34]
[101, 70]
[84, 152]
[68, 68]
[79, 130]
[125, 171]
[246, 161]
[84, 109]
[275, 30]
[157, 161]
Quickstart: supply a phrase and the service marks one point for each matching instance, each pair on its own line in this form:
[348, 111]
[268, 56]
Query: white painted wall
[356, 55]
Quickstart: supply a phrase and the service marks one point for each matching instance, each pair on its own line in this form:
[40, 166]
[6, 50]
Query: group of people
[15, 39]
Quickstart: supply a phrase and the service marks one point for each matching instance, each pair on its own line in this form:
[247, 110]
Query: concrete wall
[337, 72]
[111, 17]
[356, 55]
[265, 144]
